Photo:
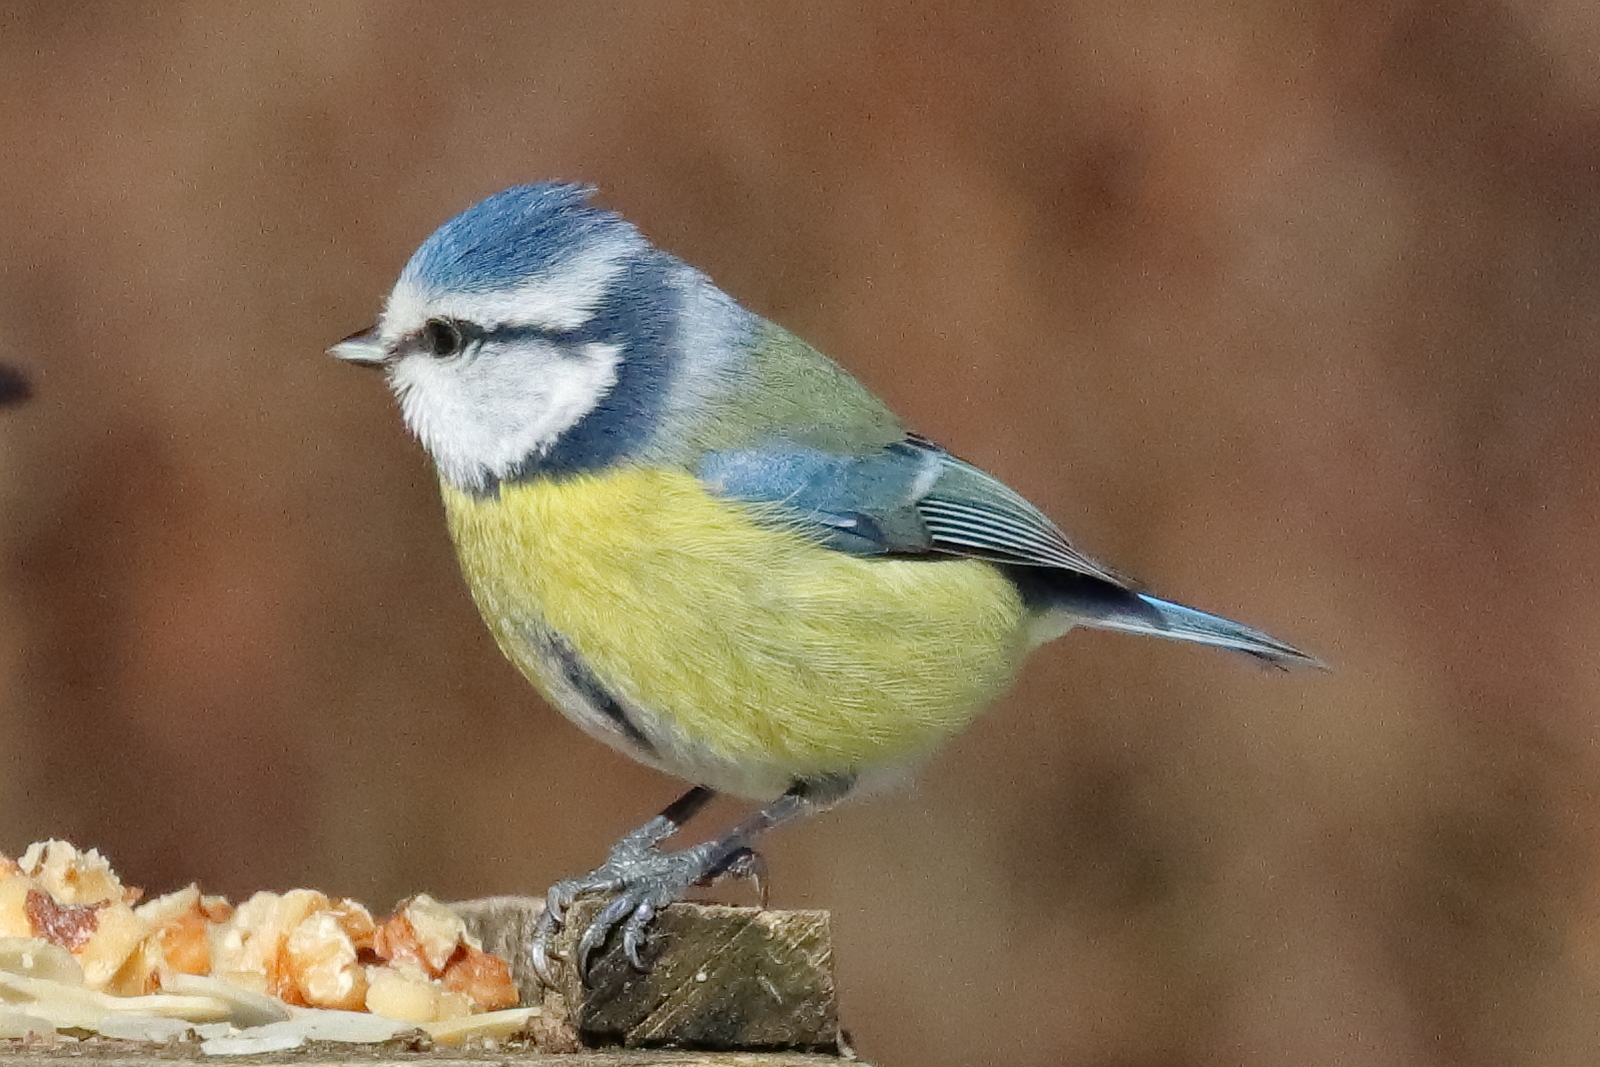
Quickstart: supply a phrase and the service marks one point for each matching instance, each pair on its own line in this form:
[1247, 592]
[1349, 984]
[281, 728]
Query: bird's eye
[443, 338]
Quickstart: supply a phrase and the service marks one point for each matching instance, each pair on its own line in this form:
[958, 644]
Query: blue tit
[704, 542]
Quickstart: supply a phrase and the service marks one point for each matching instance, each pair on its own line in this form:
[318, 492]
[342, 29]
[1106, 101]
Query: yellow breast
[735, 637]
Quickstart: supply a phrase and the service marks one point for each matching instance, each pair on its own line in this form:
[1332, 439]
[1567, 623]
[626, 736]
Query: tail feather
[1063, 599]
[1155, 617]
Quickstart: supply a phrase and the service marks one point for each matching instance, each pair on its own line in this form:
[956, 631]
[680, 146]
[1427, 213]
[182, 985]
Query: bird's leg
[644, 879]
[630, 858]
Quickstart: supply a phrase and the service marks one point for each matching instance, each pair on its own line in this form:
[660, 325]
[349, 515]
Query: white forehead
[561, 297]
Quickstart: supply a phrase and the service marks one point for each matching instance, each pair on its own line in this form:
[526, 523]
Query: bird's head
[527, 330]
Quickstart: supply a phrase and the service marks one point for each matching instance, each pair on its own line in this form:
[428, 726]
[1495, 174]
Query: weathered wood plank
[719, 978]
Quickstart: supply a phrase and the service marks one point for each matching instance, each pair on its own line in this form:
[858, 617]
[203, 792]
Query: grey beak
[362, 348]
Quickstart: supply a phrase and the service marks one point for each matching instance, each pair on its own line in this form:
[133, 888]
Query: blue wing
[909, 498]
[914, 498]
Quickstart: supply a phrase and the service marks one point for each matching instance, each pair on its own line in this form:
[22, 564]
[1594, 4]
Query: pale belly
[745, 655]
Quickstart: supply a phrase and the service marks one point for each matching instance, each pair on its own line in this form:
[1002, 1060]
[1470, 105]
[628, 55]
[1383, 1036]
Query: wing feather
[911, 498]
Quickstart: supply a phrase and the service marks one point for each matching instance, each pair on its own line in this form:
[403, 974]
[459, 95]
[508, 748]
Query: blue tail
[1161, 618]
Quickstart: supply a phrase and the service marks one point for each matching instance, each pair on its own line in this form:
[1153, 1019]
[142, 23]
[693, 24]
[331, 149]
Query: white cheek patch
[481, 416]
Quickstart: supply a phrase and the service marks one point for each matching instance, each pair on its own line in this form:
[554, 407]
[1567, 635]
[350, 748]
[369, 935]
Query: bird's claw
[542, 957]
[633, 913]
[643, 880]
[746, 865]
[648, 884]
[557, 900]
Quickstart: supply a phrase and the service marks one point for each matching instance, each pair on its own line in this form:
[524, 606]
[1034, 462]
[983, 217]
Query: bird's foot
[641, 880]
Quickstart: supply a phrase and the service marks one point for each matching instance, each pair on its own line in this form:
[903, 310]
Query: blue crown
[502, 241]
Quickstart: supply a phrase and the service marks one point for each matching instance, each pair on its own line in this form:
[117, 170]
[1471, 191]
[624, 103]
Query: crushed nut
[14, 918]
[355, 920]
[322, 961]
[484, 978]
[404, 992]
[422, 932]
[67, 925]
[74, 927]
[117, 935]
[70, 876]
[181, 922]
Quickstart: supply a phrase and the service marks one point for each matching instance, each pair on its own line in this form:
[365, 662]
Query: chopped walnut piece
[70, 876]
[247, 950]
[405, 992]
[14, 918]
[321, 960]
[355, 920]
[422, 932]
[484, 978]
[141, 972]
[67, 925]
[116, 936]
[181, 923]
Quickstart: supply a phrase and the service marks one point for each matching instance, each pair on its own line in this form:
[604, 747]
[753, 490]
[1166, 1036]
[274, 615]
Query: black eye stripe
[540, 333]
[444, 338]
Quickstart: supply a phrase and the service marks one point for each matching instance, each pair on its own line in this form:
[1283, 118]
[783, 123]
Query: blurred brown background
[1289, 310]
